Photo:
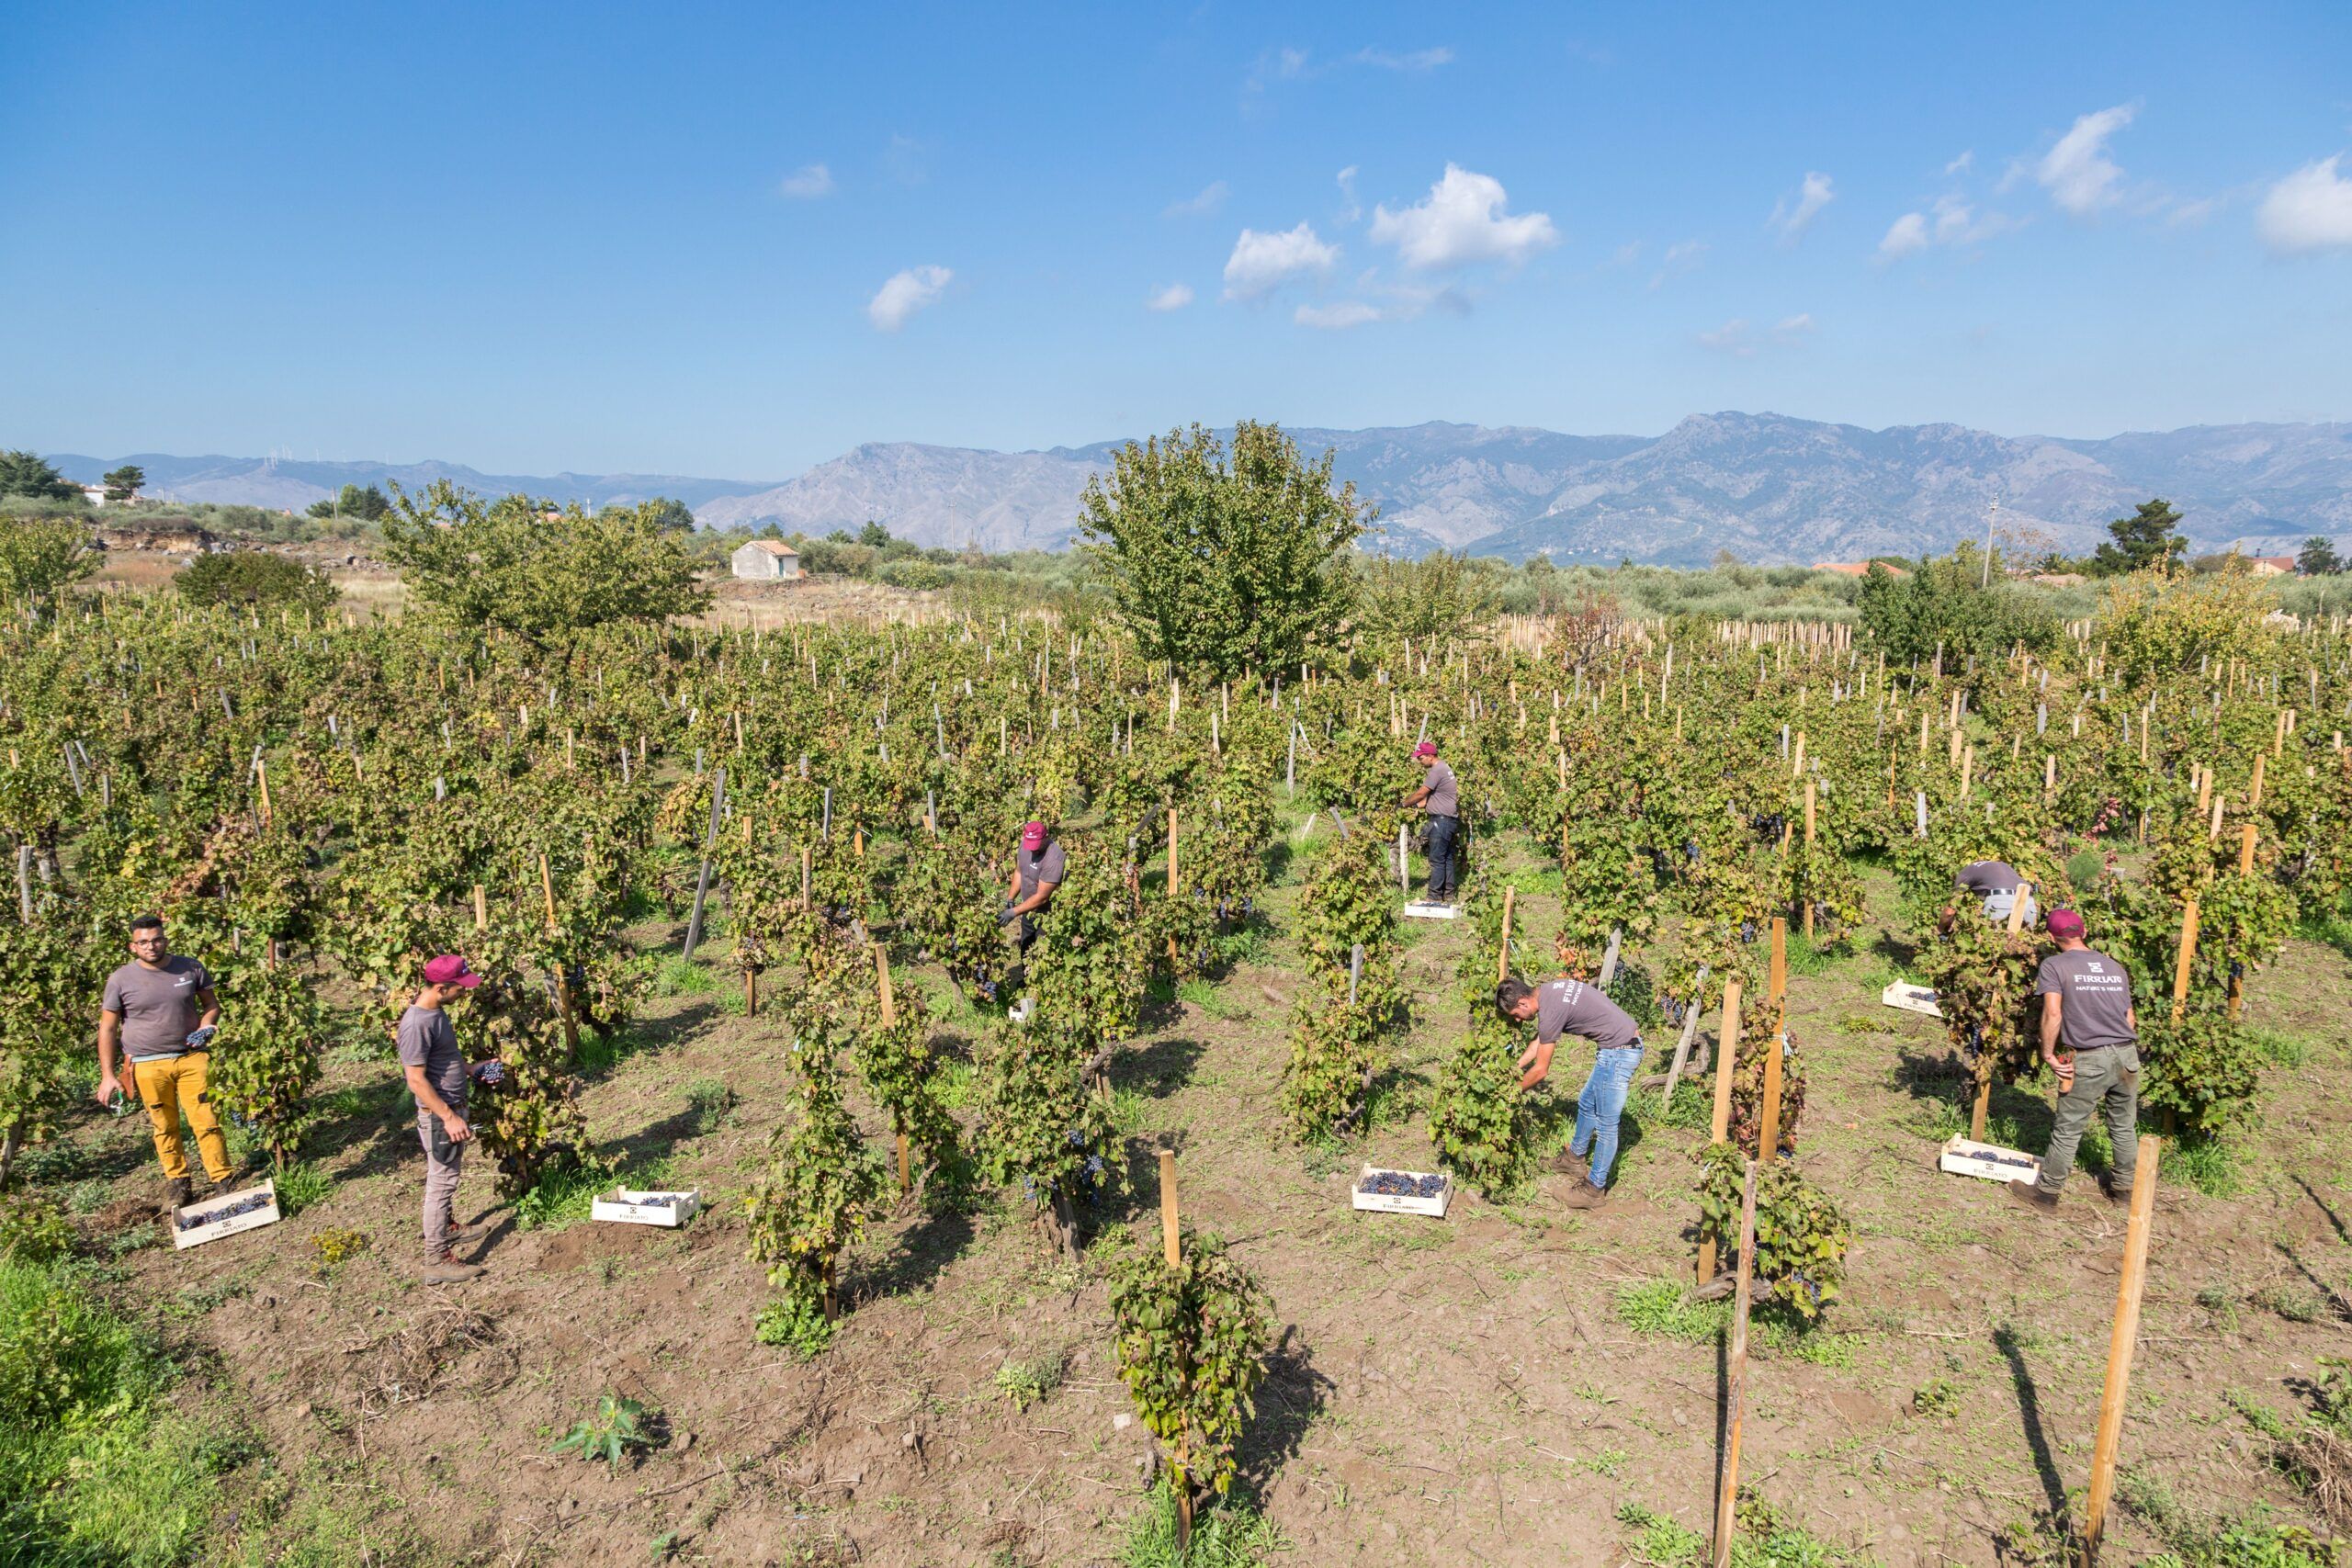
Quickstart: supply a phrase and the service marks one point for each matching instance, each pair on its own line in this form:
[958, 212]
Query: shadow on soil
[1293, 1394]
[2030, 1406]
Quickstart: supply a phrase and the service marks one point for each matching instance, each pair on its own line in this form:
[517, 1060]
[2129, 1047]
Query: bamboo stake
[1736, 1393]
[1727, 1047]
[2120, 1341]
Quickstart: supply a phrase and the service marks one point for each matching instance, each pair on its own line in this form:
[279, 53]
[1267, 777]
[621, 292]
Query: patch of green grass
[2218, 1301]
[796, 1324]
[675, 975]
[2250, 1542]
[122, 1243]
[1130, 1111]
[1228, 1533]
[1809, 958]
[2292, 1302]
[2147, 1496]
[301, 1185]
[1663, 1543]
[2277, 1048]
[1244, 945]
[1662, 1309]
[562, 1198]
[2329, 931]
[1212, 1001]
[951, 1080]
[1939, 1400]
[1691, 1107]
[2210, 1164]
[710, 1100]
[601, 1053]
[1029, 1381]
[2261, 1418]
[1806, 1342]
[344, 1104]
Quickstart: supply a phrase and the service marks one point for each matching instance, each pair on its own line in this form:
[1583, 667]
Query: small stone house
[766, 560]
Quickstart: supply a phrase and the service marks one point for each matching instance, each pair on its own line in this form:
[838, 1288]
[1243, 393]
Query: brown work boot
[2031, 1195]
[1586, 1195]
[177, 1193]
[1568, 1162]
[447, 1270]
[2119, 1197]
[468, 1233]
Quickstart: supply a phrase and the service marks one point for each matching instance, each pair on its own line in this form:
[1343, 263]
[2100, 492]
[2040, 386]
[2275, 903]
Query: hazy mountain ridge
[1767, 487]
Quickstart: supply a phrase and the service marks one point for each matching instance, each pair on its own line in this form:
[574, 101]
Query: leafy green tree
[41, 556]
[667, 514]
[2143, 539]
[2318, 558]
[1219, 564]
[29, 474]
[368, 505]
[1946, 603]
[257, 579]
[524, 566]
[123, 483]
[1439, 595]
[874, 535]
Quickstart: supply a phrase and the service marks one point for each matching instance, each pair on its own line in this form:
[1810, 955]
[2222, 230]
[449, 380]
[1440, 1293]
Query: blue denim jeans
[1600, 1104]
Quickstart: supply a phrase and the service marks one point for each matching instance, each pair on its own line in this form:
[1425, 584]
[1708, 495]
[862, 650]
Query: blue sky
[735, 241]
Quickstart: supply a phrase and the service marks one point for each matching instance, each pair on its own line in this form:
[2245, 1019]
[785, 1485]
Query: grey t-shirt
[1046, 865]
[2097, 991]
[428, 1040]
[1576, 1006]
[1445, 796]
[1988, 876]
[158, 1006]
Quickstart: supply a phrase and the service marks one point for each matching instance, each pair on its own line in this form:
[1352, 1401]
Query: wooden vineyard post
[1807, 892]
[1984, 1106]
[1727, 1047]
[1767, 1133]
[2186, 956]
[1682, 1046]
[2254, 795]
[1171, 835]
[2245, 868]
[702, 877]
[751, 992]
[890, 1020]
[482, 908]
[261, 772]
[1502, 958]
[1735, 1375]
[1172, 1249]
[2119, 1344]
[1779, 985]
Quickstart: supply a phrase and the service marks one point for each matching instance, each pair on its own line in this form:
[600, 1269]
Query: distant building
[95, 495]
[2271, 566]
[766, 560]
[1855, 567]
[2058, 579]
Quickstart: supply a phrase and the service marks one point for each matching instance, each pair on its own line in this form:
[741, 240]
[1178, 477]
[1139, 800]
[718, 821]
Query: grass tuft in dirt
[301, 1186]
[563, 1197]
[1229, 1533]
[1031, 1381]
[796, 1324]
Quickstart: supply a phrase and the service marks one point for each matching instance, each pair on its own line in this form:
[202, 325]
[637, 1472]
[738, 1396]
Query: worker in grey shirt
[1573, 1005]
[161, 1009]
[2090, 1038]
[1038, 867]
[439, 1077]
[2000, 885]
[1441, 796]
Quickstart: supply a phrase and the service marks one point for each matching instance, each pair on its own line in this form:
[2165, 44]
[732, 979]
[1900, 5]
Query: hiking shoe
[447, 1270]
[2121, 1199]
[1568, 1162]
[176, 1195]
[1586, 1195]
[2032, 1195]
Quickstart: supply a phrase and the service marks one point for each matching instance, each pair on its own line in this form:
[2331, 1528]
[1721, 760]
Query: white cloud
[1354, 210]
[2076, 171]
[1211, 197]
[807, 183]
[1961, 165]
[1683, 256]
[2309, 210]
[1732, 338]
[916, 288]
[1795, 326]
[1462, 223]
[1904, 235]
[1790, 217]
[1346, 313]
[1175, 296]
[1263, 261]
[907, 160]
[1414, 60]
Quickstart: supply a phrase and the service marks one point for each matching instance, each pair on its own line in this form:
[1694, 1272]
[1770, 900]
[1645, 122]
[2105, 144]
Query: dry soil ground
[1490, 1388]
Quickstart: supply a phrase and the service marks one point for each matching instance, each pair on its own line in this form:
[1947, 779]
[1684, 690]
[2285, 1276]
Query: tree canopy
[256, 579]
[123, 483]
[2150, 536]
[30, 474]
[1945, 605]
[2318, 558]
[1224, 562]
[527, 567]
[41, 556]
[1439, 595]
[369, 505]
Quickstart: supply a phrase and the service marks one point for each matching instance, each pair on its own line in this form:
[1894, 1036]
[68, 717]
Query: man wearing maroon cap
[1038, 867]
[2086, 1012]
[438, 1077]
[1441, 798]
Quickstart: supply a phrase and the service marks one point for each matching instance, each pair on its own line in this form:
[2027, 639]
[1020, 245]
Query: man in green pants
[2086, 1013]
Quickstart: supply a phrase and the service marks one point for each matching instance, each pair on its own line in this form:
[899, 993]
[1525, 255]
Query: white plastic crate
[1422, 909]
[1966, 1156]
[1401, 1203]
[1911, 997]
[628, 1206]
[205, 1228]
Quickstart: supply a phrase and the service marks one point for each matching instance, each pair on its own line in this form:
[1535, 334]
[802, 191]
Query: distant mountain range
[1767, 487]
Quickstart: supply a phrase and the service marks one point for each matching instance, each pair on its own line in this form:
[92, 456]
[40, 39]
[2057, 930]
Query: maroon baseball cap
[1426, 749]
[449, 969]
[1032, 837]
[2065, 923]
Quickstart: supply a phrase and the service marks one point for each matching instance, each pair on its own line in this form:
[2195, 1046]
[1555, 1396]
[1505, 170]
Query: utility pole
[1990, 518]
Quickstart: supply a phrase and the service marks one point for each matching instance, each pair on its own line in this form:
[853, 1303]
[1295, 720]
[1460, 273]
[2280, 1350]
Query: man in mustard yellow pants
[162, 1010]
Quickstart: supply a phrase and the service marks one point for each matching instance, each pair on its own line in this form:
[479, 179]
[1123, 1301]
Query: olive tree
[531, 567]
[1224, 560]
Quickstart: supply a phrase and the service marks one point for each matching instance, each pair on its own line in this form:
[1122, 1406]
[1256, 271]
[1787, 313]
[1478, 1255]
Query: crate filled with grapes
[1404, 1191]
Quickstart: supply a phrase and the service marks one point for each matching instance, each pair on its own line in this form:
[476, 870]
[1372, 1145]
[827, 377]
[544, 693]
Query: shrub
[257, 579]
[1192, 1342]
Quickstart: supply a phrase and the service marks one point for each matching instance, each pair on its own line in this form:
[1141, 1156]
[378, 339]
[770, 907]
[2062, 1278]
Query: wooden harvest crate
[628, 1206]
[195, 1224]
[1403, 1203]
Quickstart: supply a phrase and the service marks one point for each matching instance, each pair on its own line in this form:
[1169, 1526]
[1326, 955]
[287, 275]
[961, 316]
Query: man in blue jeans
[1573, 1005]
[1441, 796]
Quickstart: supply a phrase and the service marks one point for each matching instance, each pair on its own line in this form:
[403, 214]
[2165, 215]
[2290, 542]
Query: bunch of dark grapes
[1402, 1184]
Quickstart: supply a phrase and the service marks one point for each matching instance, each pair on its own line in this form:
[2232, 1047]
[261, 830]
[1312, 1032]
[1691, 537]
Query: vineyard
[968, 1290]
